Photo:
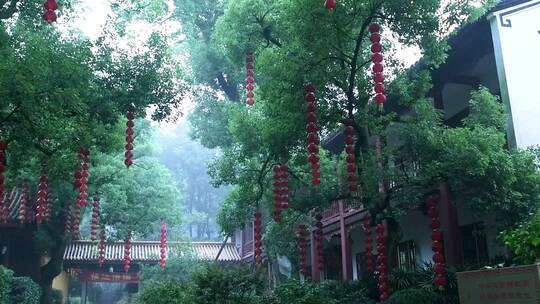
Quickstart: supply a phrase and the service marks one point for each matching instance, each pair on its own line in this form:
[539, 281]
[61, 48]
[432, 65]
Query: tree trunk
[50, 270]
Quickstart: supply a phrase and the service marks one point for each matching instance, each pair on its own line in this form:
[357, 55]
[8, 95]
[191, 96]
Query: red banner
[97, 276]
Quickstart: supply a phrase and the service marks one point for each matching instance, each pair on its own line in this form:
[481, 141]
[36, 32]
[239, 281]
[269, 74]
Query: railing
[333, 211]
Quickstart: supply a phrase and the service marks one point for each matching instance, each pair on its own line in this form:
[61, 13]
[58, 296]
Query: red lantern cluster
[50, 6]
[25, 197]
[163, 245]
[330, 5]
[368, 243]
[81, 177]
[95, 218]
[378, 68]
[101, 247]
[281, 190]
[301, 237]
[384, 287]
[250, 80]
[67, 220]
[76, 221]
[3, 149]
[257, 229]
[49, 206]
[127, 253]
[312, 136]
[41, 203]
[319, 241]
[352, 178]
[130, 124]
[437, 246]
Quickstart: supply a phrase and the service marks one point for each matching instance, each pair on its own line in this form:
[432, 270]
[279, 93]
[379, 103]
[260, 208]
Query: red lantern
[377, 58]
[384, 290]
[50, 6]
[163, 245]
[437, 247]
[301, 235]
[24, 202]
[330, 5]
[130, 124]
[95, 218]
[368, 242]
[76, 221]
[351, 159]
[312, 137]
[257, 228]
[249, 80]
[41, 202]
[67, 220]
[319, 242]
[127, 253]
[101, 247]
[49, 16]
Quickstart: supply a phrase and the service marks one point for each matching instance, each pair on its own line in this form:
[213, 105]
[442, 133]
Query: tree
[299, 42]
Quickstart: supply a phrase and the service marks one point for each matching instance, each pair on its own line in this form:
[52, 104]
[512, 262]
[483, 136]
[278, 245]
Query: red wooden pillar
[346, 263]
[315, 273]
[453, 246]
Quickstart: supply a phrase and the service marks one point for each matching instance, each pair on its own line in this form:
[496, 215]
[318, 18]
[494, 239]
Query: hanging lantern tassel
[319, 241]
[41, 199]
[50, 7]
[378, 68]
[67, 220]
[384, 287]
[127, 253]
[24, 203]
[368, 243]
[257, 228]
[312, 136]
[101, 247]
[250, 80]
[163, 245]
[301, 235]
[95, 218]
[130, 124]
[437, 247]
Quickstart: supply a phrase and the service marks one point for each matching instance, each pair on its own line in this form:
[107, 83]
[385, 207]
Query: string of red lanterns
[127, 253]
[41, 199]
[95, 218]
[281, 190]
[351, 157]
[130, 124]
[368, 242]
[25, 196]
[76, 221]
[384, 286]
[378, 68]
[312, 136]
[67, 220]
[437, 246]
[3, 150]
[257, 228]
[163, 245]
[101, 247]
[301, 237]
[49, 205]
[50, 6]
[330, 5]
[81, 177]
[319, 241]
[250, 80]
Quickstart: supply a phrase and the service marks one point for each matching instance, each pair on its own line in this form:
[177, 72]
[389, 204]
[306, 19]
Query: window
[405, 256]
[475, 249]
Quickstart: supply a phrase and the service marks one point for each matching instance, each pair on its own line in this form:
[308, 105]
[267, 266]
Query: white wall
[516, 40]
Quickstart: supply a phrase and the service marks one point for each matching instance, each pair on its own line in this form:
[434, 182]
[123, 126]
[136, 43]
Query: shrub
[6, 282]
[25, 291]
[416, 296]
[164, 293]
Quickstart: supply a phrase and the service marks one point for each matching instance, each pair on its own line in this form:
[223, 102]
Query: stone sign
[512, 285]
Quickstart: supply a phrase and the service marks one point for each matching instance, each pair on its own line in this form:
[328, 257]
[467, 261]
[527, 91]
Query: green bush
[164, 293]
[329, 292]
[6, 282]
[416, 296]
[25, 291]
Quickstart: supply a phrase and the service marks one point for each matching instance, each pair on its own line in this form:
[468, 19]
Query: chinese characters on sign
[95, 276]
[503, 285]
